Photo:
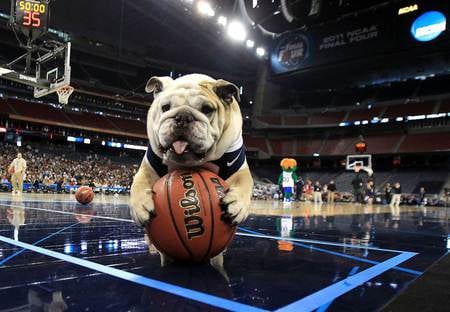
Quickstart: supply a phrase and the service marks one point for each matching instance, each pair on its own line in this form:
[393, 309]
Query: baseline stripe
[323, 296]
[327, 305]
[141, 280]
[34, 244]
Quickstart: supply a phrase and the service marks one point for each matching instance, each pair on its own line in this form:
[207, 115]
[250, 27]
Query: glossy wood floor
[58, 255]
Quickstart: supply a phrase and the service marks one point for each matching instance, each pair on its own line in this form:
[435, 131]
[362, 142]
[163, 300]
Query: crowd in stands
[62, 167]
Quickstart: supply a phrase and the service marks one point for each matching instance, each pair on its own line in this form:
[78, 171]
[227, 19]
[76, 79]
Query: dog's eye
[165, 107]
[207, 109]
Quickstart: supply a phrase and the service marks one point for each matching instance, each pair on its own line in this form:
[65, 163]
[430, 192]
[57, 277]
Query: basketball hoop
[64, 94]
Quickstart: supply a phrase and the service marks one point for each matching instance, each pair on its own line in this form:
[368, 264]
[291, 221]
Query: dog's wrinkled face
[185, 135]
[188, 118]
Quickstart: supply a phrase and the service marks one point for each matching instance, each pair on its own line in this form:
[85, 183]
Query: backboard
[46, 63]
[45, 67]
[54, 69]
[365, 161]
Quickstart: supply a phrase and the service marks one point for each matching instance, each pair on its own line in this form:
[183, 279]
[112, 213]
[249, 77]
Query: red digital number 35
[31, 18]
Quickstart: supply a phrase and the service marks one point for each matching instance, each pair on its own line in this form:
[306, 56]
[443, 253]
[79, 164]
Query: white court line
[59, 201]
[40, 201]
[69, 213]
[317, 242]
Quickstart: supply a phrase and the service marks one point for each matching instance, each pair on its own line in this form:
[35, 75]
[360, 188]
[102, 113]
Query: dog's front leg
[141, 201]
[239, 195]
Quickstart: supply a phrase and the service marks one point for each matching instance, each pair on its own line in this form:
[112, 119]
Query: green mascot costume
[288, 177]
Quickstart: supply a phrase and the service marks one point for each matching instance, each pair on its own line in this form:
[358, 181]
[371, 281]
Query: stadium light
[222, 20]
[430, 116]
[417, 117]
[237, 31]
[250, 43]
[205, 8]
[260, 51]
[135, 147]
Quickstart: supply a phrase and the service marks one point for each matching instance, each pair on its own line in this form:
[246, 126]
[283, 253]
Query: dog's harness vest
[228, 164]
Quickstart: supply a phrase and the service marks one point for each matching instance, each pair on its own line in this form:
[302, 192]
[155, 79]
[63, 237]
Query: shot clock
[31, 17]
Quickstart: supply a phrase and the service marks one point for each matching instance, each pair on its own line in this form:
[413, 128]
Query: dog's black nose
[183, 119]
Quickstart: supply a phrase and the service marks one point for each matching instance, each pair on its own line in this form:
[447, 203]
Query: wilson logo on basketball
[220, 189]
[190, 203]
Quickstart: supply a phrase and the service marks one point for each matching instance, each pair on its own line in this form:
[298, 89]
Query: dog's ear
[226, 91]
[157, 84]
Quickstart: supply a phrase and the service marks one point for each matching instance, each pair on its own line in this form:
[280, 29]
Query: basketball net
[64, 94]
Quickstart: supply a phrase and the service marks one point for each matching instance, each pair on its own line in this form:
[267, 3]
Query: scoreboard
[31, 17]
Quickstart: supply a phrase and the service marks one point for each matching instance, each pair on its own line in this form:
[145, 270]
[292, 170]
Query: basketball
[84, 195]
[188, 222]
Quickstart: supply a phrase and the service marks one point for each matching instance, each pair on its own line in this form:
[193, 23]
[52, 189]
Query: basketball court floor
[57, 255]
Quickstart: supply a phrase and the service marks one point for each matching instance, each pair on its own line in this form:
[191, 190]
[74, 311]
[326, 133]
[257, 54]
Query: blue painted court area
[60, 254]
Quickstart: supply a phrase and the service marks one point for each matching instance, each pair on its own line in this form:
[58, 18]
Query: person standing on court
[388, 193]
[397, 194]
[317, 193]
[299, 184]
[17, 169]
[331, 191]
[358, 189]
[422, 197]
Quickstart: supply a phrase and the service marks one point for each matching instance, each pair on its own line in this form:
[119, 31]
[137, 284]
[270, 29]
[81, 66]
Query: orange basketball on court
[84, 195]
[188, 224]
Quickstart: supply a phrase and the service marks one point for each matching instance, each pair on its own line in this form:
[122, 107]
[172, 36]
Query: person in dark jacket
[422, 197]
[331, 192]
[317, 193]
[358, 188]
[299, 184]
[388, 193]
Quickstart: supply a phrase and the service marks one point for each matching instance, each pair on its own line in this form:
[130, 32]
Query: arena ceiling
[153, 37]
[171, 33]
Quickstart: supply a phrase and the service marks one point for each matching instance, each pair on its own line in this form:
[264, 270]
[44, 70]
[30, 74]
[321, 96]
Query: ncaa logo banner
[290, 53]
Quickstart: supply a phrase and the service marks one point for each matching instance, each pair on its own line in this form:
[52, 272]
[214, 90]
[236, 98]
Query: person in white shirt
[17, 169]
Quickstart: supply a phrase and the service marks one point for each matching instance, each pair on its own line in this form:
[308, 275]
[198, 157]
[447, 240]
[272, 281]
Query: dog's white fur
[209, 136]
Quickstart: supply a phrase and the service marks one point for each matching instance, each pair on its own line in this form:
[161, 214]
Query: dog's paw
[142, 207]
[236, 206]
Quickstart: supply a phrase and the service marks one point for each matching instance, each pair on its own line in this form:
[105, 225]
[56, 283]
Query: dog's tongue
[179, 146]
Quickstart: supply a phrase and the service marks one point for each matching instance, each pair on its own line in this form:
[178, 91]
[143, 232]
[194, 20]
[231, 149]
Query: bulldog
[194, 121]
